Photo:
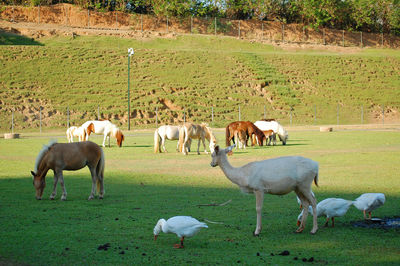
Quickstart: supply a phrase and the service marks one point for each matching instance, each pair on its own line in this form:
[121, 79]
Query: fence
[68, 15]
[64, 117]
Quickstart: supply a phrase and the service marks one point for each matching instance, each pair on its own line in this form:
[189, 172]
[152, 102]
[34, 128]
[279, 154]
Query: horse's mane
[42, 153]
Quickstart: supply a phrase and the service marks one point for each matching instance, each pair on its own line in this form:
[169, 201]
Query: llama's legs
[259, 203]
[54, 193]
[313, 202]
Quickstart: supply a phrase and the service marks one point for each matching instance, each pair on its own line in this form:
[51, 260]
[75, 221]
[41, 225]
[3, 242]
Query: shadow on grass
[15, 38]
[133, 203]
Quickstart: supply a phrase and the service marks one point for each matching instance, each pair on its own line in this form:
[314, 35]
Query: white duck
[368, 202]
[182, 226]
[331, 208]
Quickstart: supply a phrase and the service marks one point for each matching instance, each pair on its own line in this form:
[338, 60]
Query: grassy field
[142, 187]
[188, 76]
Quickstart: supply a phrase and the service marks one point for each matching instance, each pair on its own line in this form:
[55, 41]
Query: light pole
[130, 53]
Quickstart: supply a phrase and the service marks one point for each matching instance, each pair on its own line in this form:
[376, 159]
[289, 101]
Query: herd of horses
[76, 155]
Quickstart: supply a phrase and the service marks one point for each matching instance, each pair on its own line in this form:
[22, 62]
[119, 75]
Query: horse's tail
[156, 142]
[100, 170]
[227, 136]
[181, 138]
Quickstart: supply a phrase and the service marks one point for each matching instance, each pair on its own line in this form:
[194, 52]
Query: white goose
[331, 208]
[368, 202]
[182, 226]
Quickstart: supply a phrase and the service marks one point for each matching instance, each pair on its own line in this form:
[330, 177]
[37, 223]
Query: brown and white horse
[192, 131]
[246, 126]
[106, 128]
[78, 132]
[68, 156]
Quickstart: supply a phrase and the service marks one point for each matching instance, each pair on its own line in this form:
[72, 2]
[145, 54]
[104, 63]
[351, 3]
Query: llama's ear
[33, 173]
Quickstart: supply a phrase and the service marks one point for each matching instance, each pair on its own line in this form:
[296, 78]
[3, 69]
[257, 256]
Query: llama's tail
[227, 136]
[181, 138]
[156, 142]
[100, 170]
[316, 180]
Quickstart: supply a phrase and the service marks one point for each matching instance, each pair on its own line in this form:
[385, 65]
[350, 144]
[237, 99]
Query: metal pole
[362, 114]
[156, 116]
[141, 22]
[88, 18]
[337, 114]
[383, 114]
[215, 25]
[167, 24]
[283, 32]
[116, 19]
[265, 112]
[130, 53]
[239, 33]
[98, 112]
[343, 38]
[262, 30]
[315, 114]
[184, 115]
[291, 115]
[40, 118]
[12, 122]
[361, 39]
[39, 14]
[239, 113]
[382, 38]
[191, 24]
[67, 116]
[212, 113]
[323, 36]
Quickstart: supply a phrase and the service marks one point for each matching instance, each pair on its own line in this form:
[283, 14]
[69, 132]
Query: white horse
[274, 126]
[78, 132]
[166, 132]
[106, 128]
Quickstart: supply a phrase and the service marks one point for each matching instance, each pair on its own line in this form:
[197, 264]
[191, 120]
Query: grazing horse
[248, 127]
[166, 132]
[106, 128]
[79, 132]
[68, 156]
[240, 137]
[274, 126]
[269, 135]
[192, 131]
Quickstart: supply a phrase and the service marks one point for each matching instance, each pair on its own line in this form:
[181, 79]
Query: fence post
[68, 116]
[323, 36]
[283, 32]
[362, 114]
[116, 19]
[212, 113]
[141, 22]
[337, 114]
[88, 17]
[383, 114]
[40, 118]
[184, 115]
[167, 24]
[191, 24]
[291, 115]
[361, 37]
[98, 112]
[39, 14]
[239, 114]
[382, 38]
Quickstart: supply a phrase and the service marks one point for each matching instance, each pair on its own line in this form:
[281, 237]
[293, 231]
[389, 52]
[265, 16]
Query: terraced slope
[185, 78]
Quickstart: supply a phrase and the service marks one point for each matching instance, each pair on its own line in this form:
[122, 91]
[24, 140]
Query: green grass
[192, 73]
[142, 187]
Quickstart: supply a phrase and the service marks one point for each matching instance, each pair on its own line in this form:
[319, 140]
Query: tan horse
[68, 156]
[192, 131]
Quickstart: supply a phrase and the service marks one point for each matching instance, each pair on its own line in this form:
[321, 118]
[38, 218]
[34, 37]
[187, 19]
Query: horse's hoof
[90, 198]
[256, 235]
[63, 199]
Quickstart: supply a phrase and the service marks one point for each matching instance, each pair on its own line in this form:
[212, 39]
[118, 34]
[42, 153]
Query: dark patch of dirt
[385, 223]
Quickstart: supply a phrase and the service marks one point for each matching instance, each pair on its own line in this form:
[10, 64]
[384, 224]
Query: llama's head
[218, 153]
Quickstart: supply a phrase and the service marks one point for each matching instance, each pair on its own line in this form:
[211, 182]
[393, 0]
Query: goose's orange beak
[298, 223]
[155, 237]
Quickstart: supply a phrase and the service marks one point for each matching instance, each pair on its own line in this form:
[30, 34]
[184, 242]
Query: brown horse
[248, 127]
[68, 156]
[270, 136]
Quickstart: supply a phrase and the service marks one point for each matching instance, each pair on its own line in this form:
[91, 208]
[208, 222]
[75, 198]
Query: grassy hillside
[188, 76]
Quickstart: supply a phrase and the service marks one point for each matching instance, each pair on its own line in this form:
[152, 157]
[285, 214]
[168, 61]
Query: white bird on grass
[368, 202]
[182, 226]
[331, 208]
